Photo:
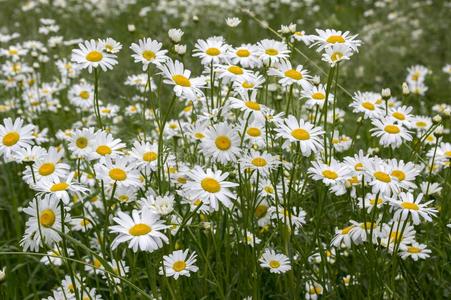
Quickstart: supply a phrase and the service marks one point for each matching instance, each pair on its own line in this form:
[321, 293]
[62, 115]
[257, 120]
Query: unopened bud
[437, 119]
[386, 94]
[405, 88]
[316, 80]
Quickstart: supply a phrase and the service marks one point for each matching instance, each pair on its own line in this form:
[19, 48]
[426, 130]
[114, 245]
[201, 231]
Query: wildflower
[91, 55]
[276, 262]
[179, 264]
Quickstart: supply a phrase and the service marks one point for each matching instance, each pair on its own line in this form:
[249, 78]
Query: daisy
[255, 132]
[233, 22]
[289, 75]
[417, 73]
[405, 172]
[369, 202]
[222, 143]
[210, 186]
[145, 154]
[121, 171]
[29, 154]
[360, 231]
[390, 133]
[304, 133]
[110, 45]
[105, 145]
[421, 123]
[327, 38]
[276, 262]
[60, 188]
[250, 82]
[48, 166]
[405, 204]
[45, 218]
[313, 290]
[271, 51]
[148, 51]
[315, 95]
[342, 237]
[160, 205]
[245, 55]
[248, 104]
[92, 55]
[415, 251]
[13, 135]
[333, 174]
[211, 50]
[176, 75]
[81, 224]
[82, 95]
[337, 53]
[368, 103]
[380, 178]
[81, 142]
[261, 162]
[392, 234]
[55, 256]
[402, 115]
[179, 264]
[287, 216]
[141, 231]
[230, 72]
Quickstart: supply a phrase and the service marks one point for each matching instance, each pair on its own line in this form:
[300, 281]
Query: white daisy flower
[276, 262]
[92, 55]
[179, 264]
[148, 51]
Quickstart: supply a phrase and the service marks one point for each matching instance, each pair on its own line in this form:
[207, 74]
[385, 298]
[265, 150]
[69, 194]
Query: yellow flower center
[261, 210]
[399, 116]
[367, 225]
[47, 218]
[57, 187]
[103, 150]
[346, 230]
[373, 201]
[392, 129]
[252, 105]
[81, 142]
[259, 162]
[94, 56]
[410, 206]
[197, 202]
[300, 134]
[318, 96]
[315, 290]
[223, 143]
[330, 174]
[148, 55]
[46, 169]
[274, 264]
[84, 95]
[448, 153]
[399, 174]
[213, 51]
[179, 266]
[140, 229]
[358, 166]
[11, 138]
[333, 39]
[271, 51]
[247, 85]
[269, 189]
[97, 264]
[235, 70]
[243, 53]
[421, 124]
[150, 156]
[199, 135]
[368, 105]
[381, 176]
[123, 198]
[293, 74]
[253, 131]
[413, 249]
[181, 80]
[336, 56]
[210, 185]
[117, 174]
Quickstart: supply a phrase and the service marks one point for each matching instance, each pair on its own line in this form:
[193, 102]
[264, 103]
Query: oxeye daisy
[211, 50]
[333, 174]
[160, 205]
[55, 256]
[222, 143]
[92, 55]
[327, 38]
[105, 145]
[245, 55]
[369, 202]
[145, 154]
[405, 172]
[393, 233]
[361, 231]
[82, 95]
[401, 114]
[250, 82]
[148, 51]
[110, 45]
[45, 218]
[121, 171]
[290, 75]
[229, 72]
[287, 216]
[29, 154]
[179, 264]
[380, 178]
[210, 186]
[60, 188]
[271, 51]
[14, 135]
[337, 53]
[416, 74]
[305, 134]
[315, 95]
[342, 237]
[254, 132]
[390, 133]
[48, 166]
[81, 142]
[442, 154]
[368, 103]
[406, 204]
[415, 251]
[421, 123]
[175, 74]
[248, 104]
[261, 162]
[276, 262]
[313, 290]
[141, 230]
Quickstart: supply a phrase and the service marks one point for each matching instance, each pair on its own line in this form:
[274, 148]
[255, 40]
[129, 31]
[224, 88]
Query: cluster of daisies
[247, 139]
